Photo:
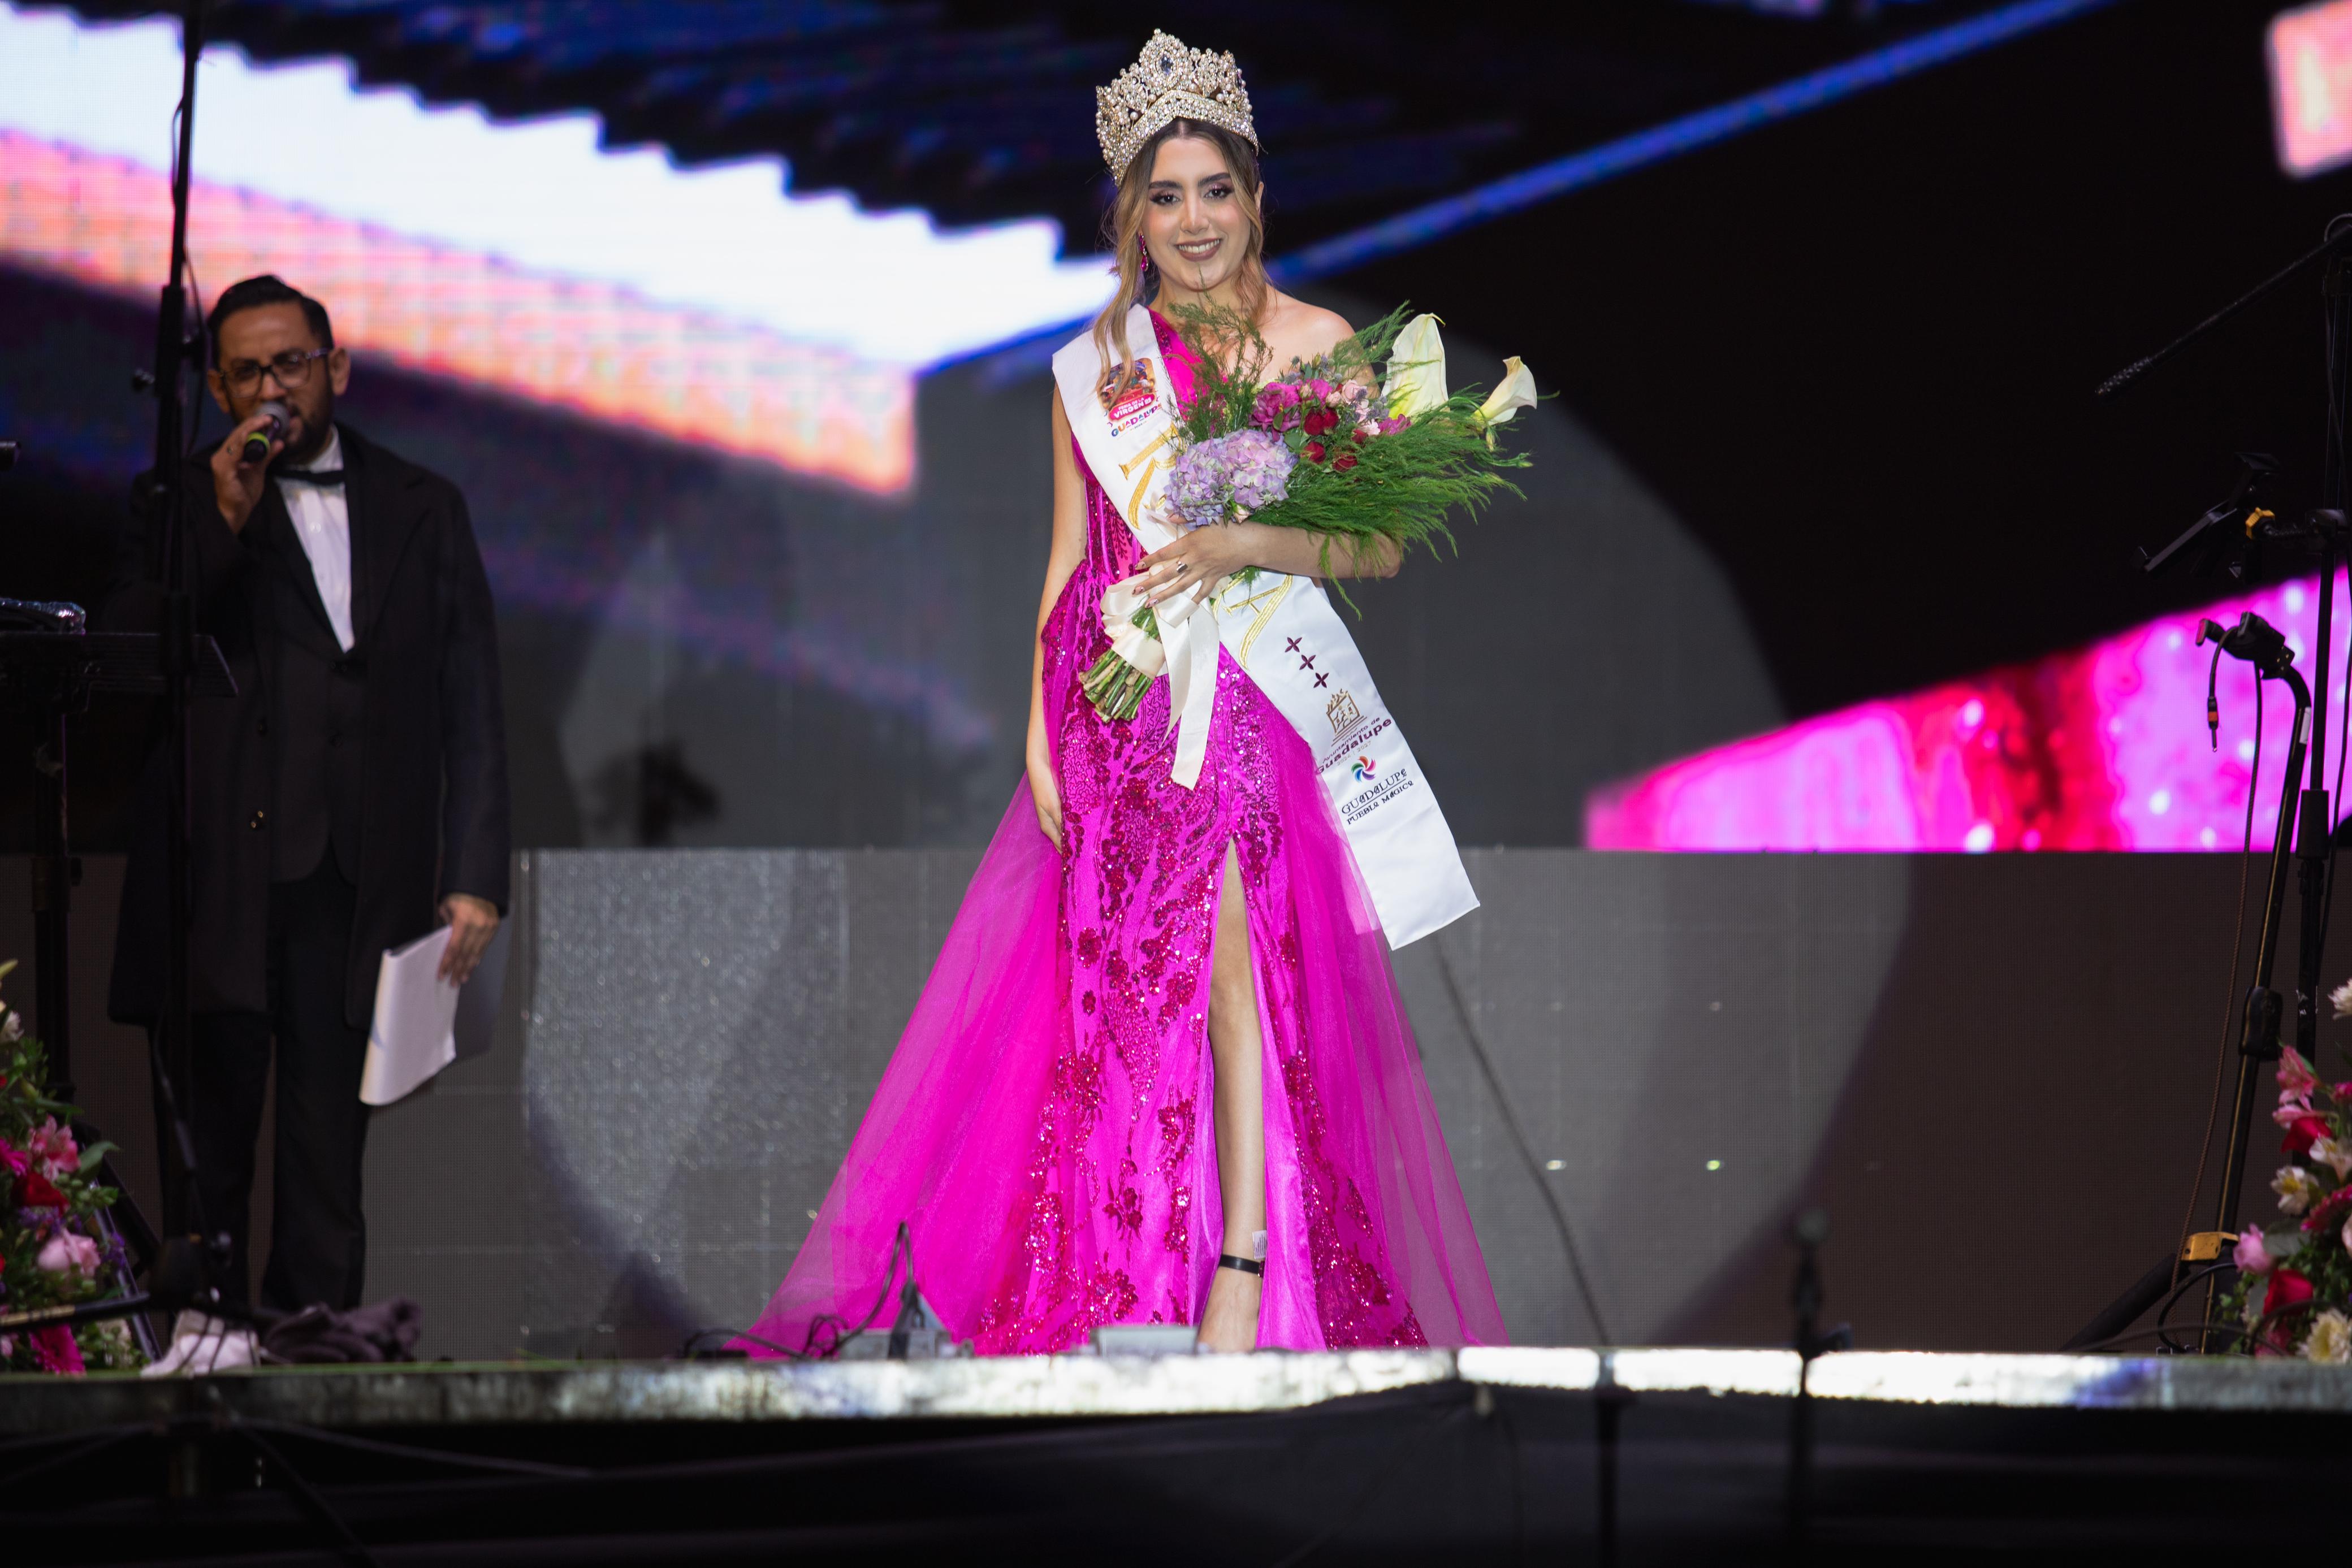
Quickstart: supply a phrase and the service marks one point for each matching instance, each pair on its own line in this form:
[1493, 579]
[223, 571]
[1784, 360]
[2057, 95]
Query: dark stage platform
[1369, 1457]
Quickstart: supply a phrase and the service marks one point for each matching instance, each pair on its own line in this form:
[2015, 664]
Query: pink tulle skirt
[1050, 1182]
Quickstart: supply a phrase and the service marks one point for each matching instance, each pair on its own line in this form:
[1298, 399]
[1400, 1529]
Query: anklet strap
[1246, 1265]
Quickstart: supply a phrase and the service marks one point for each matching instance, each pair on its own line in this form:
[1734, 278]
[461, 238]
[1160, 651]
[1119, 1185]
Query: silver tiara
[1169, 81]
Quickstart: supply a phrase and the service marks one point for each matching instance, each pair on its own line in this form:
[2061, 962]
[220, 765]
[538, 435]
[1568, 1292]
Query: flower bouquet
[1363, 445]
[51, 1253]
[2294, 1284]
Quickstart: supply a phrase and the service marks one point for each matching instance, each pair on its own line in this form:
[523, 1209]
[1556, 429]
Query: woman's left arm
[1208, 556]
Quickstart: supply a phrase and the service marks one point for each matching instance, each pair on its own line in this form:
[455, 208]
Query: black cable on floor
[434, 1456]
[112, 1439]
[306, 1496]
[1519, 1141]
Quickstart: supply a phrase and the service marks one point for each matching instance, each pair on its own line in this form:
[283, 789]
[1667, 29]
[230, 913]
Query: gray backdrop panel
[1990, 1069]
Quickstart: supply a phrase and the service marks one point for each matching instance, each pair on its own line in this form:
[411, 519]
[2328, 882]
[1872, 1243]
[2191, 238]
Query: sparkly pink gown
[1046, 1128]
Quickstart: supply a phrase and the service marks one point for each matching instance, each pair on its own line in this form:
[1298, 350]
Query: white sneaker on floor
[202, 1343]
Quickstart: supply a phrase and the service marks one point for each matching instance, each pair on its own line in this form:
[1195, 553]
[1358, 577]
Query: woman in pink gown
[1162, 1043]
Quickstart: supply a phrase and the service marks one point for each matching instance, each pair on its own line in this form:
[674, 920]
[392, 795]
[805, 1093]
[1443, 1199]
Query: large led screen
[2106, 747]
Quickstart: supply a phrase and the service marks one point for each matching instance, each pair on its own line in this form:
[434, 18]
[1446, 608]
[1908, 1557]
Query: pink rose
[53, 1148]
[54, 1349]
[1276, 407]
[2294, 1075]
[2253, 1256]
[13, 1158]
[67, 1251]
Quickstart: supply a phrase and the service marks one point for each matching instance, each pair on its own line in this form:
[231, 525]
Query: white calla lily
[1517, 392]
[1416, 380]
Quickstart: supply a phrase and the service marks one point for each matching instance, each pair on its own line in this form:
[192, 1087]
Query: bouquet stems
[1113, 686]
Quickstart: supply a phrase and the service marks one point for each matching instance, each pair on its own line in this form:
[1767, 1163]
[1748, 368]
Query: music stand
[52, 674]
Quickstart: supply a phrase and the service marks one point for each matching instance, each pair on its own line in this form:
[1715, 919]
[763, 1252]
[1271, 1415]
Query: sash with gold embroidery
[1283, 633]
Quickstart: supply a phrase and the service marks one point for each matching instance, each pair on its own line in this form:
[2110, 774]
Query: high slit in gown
[1046, 1130]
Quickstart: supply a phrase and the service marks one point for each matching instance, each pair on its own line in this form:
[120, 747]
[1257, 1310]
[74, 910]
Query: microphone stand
[2312, 823]
[180, 1277]
[2254, 640]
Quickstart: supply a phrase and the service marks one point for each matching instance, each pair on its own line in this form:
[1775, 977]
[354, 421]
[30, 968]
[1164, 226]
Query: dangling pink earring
[1143, 252]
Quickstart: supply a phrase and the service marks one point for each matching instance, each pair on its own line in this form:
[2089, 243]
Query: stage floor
[1087, 1386]
[1365, 1456]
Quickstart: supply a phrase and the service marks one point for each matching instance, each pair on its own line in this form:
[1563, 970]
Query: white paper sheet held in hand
[415, 1033]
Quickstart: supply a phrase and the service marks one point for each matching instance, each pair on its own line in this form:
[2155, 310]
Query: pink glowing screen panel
[2311, 86]
[2102, 748]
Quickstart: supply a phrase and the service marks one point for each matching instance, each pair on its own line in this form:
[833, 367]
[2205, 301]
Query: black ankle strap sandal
[1246, 1265]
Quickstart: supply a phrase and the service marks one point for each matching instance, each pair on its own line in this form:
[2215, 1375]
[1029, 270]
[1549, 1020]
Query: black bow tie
[314, 475]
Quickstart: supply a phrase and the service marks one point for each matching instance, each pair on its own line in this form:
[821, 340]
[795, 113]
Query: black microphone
[2253, 639]
[257, 442]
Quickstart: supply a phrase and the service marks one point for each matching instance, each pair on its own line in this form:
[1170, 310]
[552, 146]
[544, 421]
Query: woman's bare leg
[1229, 1321]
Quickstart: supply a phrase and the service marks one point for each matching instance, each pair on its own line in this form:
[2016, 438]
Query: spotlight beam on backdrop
[1545, 182]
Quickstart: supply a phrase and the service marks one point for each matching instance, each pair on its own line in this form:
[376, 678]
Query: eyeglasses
[292, 368]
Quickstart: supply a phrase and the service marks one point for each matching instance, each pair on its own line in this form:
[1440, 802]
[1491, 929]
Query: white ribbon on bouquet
[1283, 634]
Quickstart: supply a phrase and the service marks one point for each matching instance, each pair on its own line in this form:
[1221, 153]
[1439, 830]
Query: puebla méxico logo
[1362, 769]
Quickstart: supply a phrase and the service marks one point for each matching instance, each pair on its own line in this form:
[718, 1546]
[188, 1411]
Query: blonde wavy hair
[1123, 228]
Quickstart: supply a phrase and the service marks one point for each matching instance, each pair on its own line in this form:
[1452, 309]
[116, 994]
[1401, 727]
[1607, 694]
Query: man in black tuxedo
[349, 796]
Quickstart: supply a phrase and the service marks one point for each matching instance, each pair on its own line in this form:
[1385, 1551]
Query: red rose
[2327, 1210]
[34, 1190]
[1341, 463]
[2288, 1289]
[1314, 453]
[2300, 1133]
[1360, 435]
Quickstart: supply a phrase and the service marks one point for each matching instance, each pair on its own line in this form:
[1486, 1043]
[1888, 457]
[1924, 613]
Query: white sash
[1284, 633]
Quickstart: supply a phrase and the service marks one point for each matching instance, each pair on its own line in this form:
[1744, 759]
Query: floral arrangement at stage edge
[1364, 445]
[2294, 1281]
[50, 1209]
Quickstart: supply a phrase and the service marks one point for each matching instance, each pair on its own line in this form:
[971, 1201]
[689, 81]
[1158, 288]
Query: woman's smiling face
[1194, 225]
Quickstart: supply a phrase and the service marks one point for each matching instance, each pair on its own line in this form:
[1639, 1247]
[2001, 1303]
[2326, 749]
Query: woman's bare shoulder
[1295, 329]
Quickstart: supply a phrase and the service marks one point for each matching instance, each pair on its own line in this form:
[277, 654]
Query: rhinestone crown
[1169, 81]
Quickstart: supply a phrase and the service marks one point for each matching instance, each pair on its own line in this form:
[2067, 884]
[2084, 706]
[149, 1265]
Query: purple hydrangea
[1245, 470]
